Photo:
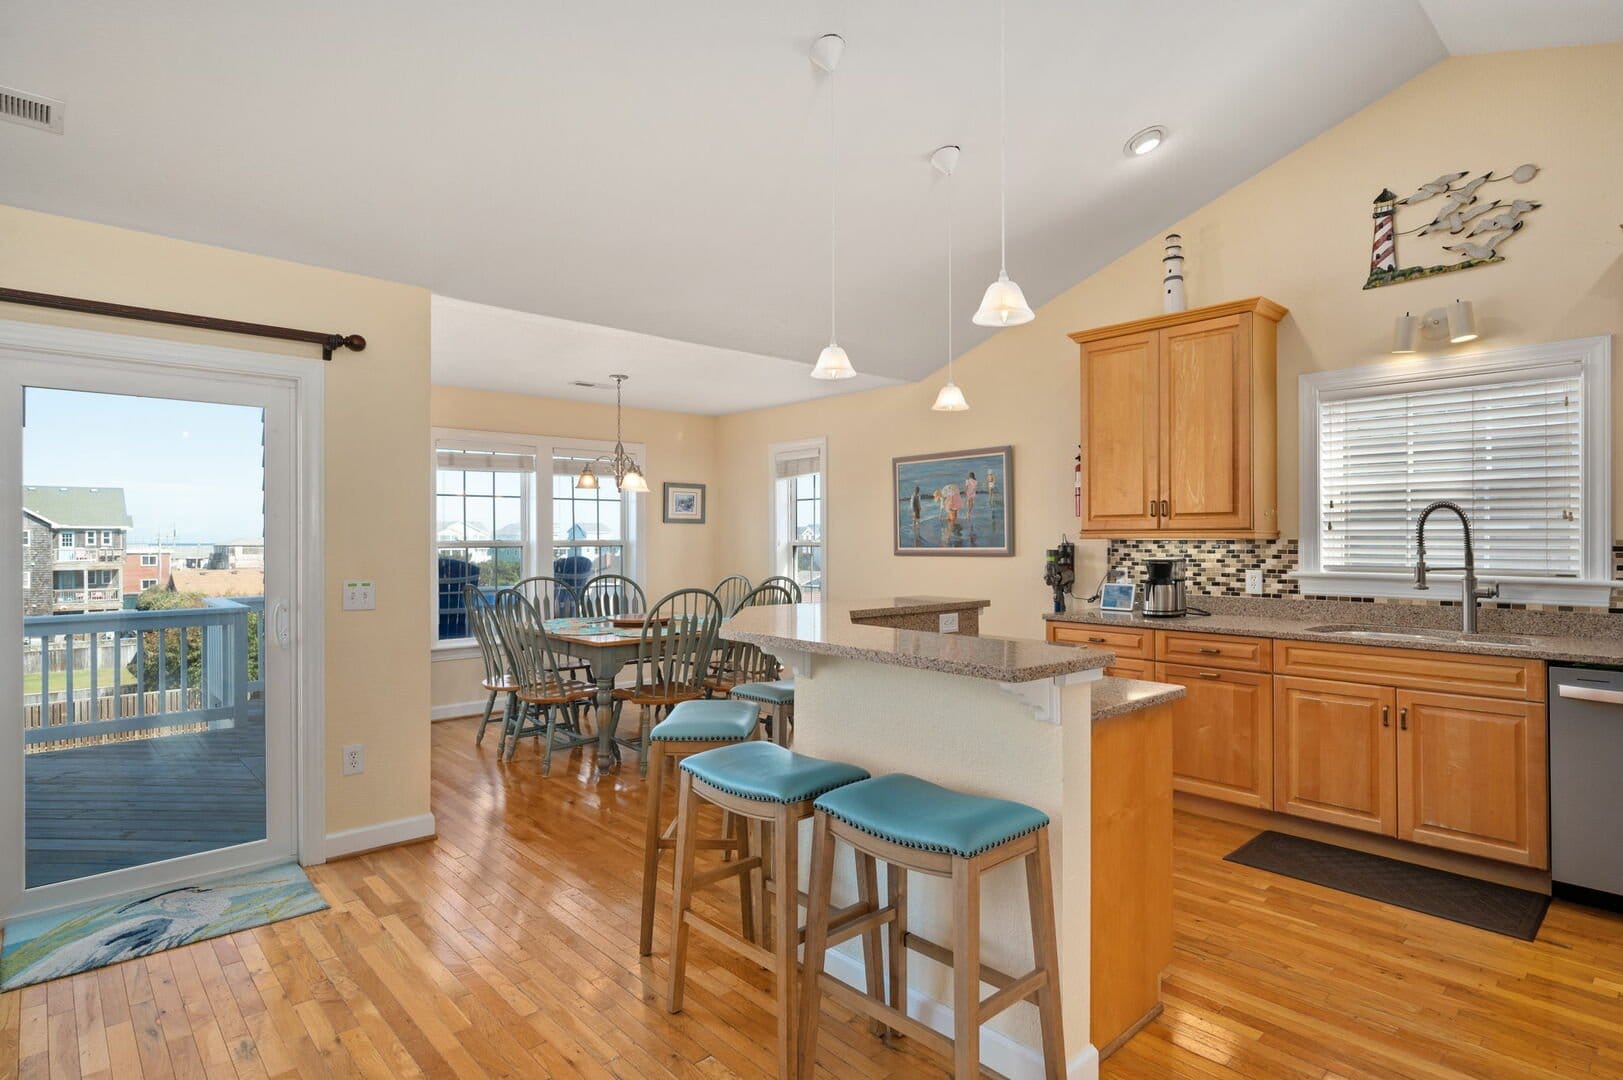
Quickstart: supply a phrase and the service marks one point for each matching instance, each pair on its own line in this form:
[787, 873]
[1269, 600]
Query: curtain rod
[328, 342]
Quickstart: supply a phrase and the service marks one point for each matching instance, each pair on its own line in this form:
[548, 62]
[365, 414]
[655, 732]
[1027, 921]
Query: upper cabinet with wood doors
[1178, 424]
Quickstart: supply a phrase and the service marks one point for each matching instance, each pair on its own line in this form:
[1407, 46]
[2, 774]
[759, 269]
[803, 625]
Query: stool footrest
[724, 871]
[842, 932]
[859, 1002]
[942, 955]
[1016, 991]
[730, 940]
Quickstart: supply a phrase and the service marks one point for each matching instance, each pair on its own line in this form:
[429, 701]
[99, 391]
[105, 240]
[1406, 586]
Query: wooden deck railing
[129, 686]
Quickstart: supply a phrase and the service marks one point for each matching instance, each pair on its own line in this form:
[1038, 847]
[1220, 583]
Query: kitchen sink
[1424, 633]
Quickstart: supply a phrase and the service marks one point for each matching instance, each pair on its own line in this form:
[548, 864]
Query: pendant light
[832, 363]
[627, 475]
[1004, 304]
[949, 398]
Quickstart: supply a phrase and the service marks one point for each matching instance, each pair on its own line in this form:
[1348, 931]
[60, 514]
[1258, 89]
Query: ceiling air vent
[30, 110]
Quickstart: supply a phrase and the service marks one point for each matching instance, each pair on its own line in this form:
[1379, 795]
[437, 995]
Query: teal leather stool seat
[712, 720]
[918, 814]
[766, 772]
[776, 692]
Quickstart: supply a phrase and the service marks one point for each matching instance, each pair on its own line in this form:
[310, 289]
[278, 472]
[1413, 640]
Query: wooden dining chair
[608, 595]
[555, 599]
[498, 678]
[731, 591]
[545, 690]
[737, 662]
[677, 639]
[788, 584]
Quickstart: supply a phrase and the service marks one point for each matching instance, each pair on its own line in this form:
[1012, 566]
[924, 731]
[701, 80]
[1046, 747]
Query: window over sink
[1520, 438]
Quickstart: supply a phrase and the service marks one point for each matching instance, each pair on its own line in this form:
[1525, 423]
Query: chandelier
[627, 476]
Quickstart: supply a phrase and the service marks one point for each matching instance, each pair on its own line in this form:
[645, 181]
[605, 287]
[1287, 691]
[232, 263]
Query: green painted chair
[677, 639]
[498, 678]
[608, 595]
[546, 693]
[731, 591]
[788, 584]
[745, 669]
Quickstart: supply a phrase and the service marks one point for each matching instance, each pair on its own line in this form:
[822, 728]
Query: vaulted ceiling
[662, 168]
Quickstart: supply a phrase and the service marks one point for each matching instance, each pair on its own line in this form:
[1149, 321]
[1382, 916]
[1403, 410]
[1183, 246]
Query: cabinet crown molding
[1256, 305]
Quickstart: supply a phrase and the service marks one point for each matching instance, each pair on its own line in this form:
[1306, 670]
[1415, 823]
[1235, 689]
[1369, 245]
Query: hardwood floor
[507, 947]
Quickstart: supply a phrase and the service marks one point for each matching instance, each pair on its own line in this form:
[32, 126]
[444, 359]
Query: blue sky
[190, 469]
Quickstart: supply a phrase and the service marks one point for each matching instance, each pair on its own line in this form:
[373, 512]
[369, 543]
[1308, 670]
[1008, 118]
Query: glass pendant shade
[832, 363]
[1004, 304]
[950, 399]
[587, 479]
[633, 481]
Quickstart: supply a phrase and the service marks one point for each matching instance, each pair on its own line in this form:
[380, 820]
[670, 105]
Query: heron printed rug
[95, 935]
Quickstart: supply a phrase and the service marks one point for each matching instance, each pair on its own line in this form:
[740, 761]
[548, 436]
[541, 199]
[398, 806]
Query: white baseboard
[383, 834]
[1017, 1061]
[458, 709]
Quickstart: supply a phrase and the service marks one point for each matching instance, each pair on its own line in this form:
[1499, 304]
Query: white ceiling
[491, 348]
[661, 167]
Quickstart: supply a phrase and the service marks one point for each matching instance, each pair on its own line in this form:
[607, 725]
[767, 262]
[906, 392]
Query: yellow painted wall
[377, 496]
[680, 449]
[1298, 232]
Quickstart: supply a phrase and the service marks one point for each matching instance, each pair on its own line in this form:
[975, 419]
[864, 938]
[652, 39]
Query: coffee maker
[1164, 588]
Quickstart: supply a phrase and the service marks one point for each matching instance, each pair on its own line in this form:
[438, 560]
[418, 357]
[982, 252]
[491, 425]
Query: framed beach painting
[684, 504]
[959, 503]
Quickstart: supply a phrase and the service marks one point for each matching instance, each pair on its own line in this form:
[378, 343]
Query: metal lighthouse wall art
[1474, 226]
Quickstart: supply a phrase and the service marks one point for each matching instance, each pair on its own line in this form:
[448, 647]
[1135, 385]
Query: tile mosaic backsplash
[1218, 567]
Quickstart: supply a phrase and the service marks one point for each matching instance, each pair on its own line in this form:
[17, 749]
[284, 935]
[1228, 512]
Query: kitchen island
[1012, 719]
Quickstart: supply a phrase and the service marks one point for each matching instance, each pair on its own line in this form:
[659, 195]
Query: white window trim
[776, 536]
[1591, 589]
[543, 447]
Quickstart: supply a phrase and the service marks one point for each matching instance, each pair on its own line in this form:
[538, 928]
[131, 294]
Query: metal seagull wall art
[1485, 225]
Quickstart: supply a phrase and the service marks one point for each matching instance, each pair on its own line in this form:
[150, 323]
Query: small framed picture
[1118, 597]
[684, 504]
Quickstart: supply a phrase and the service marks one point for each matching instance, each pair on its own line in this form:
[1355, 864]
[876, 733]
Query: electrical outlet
[949, 622]
[359, 596]
[354, 759]
[1253, 581]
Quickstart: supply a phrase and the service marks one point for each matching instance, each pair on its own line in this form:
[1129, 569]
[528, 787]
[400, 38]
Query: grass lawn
[81, 680]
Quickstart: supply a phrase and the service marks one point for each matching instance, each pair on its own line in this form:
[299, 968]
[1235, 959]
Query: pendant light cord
[1003, 134]
[949, 278]
[833, 215]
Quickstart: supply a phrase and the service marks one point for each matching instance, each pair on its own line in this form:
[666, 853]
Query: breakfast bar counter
[1011, 719]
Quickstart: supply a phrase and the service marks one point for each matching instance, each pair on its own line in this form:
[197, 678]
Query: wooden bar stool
[914, 825]
[765, 784]
[778, 695]
[692, 728]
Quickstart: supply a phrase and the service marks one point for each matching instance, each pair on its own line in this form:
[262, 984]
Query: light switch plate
[949, 622]
[359, 596]
[1253, 581]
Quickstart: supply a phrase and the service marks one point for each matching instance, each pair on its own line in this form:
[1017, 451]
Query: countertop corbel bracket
[1042, 696]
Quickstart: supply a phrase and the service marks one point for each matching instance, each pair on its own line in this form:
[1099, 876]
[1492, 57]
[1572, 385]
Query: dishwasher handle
[1587, 693]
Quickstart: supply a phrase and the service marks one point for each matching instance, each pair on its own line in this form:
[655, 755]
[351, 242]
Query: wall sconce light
[1456, 323]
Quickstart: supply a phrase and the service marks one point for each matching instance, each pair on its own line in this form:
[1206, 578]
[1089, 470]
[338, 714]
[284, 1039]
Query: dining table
[605, 645]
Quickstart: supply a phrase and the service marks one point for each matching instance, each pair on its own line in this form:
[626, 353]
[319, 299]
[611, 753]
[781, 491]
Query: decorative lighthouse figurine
[1172, 295]
[1383, 255]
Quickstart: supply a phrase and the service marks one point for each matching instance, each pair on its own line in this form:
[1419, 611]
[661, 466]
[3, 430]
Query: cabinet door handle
[1166, 508]
[1386, 716]
[1403, 719]
[1153, 511]
[1209, 651]
[1209, 675]
[1096, 641]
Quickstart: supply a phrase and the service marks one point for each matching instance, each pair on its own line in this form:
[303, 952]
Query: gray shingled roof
[78, 507]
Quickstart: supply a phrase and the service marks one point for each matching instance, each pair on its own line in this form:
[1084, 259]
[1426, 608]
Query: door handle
[1153, 512]
[1208, 675]
[1386, 716]
[1585, 693]
[1209, 651]
[1166, 508]
[1096, 641]
[1403, 719]
[281, 624]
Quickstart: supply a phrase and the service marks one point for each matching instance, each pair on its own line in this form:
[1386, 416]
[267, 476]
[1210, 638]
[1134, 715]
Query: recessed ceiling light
[1145, 141]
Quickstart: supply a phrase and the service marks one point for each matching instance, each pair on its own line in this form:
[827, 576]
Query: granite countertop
[1583, 644]
[1113, 696]
[912, 605]
[827, 630]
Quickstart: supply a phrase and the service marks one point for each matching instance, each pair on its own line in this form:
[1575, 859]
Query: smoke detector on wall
[31, 110]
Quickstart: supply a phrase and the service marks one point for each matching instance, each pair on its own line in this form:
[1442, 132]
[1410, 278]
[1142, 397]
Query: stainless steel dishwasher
[1586, 785]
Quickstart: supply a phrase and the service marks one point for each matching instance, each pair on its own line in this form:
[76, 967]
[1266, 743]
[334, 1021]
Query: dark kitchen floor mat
[1485, 905]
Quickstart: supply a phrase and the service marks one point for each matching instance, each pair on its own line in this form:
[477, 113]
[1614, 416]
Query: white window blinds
[1509, 450]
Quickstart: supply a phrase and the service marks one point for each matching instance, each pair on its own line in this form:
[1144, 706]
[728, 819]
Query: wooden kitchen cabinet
[1222, 734]
[1178, 424]
[1335, 753]
[1473, 776]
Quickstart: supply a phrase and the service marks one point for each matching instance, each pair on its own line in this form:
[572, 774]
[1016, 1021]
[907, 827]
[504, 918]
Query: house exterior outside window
[74, 555]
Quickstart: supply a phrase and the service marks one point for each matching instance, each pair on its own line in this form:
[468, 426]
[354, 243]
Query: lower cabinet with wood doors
[1442, 749]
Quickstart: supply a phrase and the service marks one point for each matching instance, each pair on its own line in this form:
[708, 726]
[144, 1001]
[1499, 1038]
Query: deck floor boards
[93, 809]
